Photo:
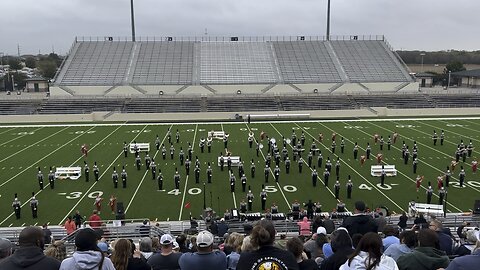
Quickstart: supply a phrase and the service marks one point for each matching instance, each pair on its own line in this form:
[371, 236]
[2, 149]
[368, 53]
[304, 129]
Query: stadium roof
[467, 73]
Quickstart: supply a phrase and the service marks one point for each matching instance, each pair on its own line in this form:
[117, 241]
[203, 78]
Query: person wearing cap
[30, 254]
[267, 256]
[87, 255]
[5, 248]
[359, 222]
[166, 259]
[314, 245]
[205, 258]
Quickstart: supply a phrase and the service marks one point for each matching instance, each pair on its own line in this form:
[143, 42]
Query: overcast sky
[39, 25]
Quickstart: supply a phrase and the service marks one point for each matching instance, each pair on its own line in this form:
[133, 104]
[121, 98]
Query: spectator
[356, 239]
[328, 224]
[144, 229]
[155, 244]
[314, 245]
[445, 241]
[48, 234]
[235, 241]
[304, 227]
[222, 228]
[420, 222]
[380, 221]
[402, 222]
[408, 240]
[427, 255]
[145, 247]
[247, 229]
[263, 237]
[295, 246]
[460, 228]
[87, 255]
[57, 250]
[193, 244]
[247, 245]
[95, 221]
[359, 222]
[317, 222]
[103, 246]
[176, 247]
[70, 225]
[30, 254]
[368, 255]
[182, 243]
[5, 248]
[125, 257]
[166, 259]
[470, 244]
[205, 257]
[342, 248]
[391, 236]
[469, 261]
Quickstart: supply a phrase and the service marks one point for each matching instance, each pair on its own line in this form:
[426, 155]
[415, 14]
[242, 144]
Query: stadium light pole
[132, 15]
[422, 55]
[328, 20]
[448, 82]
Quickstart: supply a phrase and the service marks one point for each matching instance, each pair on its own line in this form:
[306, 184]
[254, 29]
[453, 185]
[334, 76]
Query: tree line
[440, 57]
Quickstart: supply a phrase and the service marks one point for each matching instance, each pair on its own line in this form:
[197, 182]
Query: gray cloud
[37, 25]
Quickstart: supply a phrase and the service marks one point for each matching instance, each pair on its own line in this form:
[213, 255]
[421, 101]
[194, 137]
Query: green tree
[30, 62]
[454, 66]
[47, 68]
[15, 63]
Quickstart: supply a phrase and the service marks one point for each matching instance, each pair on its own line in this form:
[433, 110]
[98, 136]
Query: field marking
[321, 180]
[374, 186]
[458, 134]
[32, 165]
[442, 172]
[8, 130]
[410, 179]
[186, 178]
[145, 174]
[271, 171]
[236, 122]
[48, 184]
[233, 193]
[36, 143]
[95, 182]
[20, 136]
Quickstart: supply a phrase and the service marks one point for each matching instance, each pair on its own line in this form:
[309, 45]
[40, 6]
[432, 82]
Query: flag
[187, 205]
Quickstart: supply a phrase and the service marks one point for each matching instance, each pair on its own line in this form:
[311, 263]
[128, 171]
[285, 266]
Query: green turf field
[24, 148]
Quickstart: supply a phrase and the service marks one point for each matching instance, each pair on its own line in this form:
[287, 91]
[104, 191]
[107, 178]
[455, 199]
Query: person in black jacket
[359, 222]
[341, 247]
[30, 254]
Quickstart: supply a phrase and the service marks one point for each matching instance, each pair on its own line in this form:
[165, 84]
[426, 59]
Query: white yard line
[25, 148]
[20, 136]
[10, 129]
[49, 154]
[145, 175]
[411, 180]
[95, 182]
[365, 179]
[233, 193]
[186, 178]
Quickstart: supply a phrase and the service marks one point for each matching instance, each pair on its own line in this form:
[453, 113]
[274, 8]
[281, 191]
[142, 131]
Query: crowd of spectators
[356, 244]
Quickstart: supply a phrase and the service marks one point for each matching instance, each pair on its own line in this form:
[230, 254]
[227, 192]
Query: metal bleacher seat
[367, 61]
[235, 62]
[305, 62]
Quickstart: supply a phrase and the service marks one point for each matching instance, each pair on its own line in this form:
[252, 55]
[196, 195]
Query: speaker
[120, 211]
[476, 207]
[233, 38]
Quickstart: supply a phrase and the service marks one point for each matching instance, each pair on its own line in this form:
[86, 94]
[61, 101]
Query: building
[468, 78]
[37, 84]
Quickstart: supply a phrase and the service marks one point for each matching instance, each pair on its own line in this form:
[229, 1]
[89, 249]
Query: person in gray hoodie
[88, 256]
[30, 254]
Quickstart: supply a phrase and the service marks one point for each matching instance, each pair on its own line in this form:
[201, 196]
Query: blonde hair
[247, 245]
[235, 240]
[57, 250]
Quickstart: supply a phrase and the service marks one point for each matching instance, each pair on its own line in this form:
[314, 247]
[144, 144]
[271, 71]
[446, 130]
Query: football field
[25, 148]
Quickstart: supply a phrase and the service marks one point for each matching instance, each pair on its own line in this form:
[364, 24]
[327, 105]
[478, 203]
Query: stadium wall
[109, 117]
